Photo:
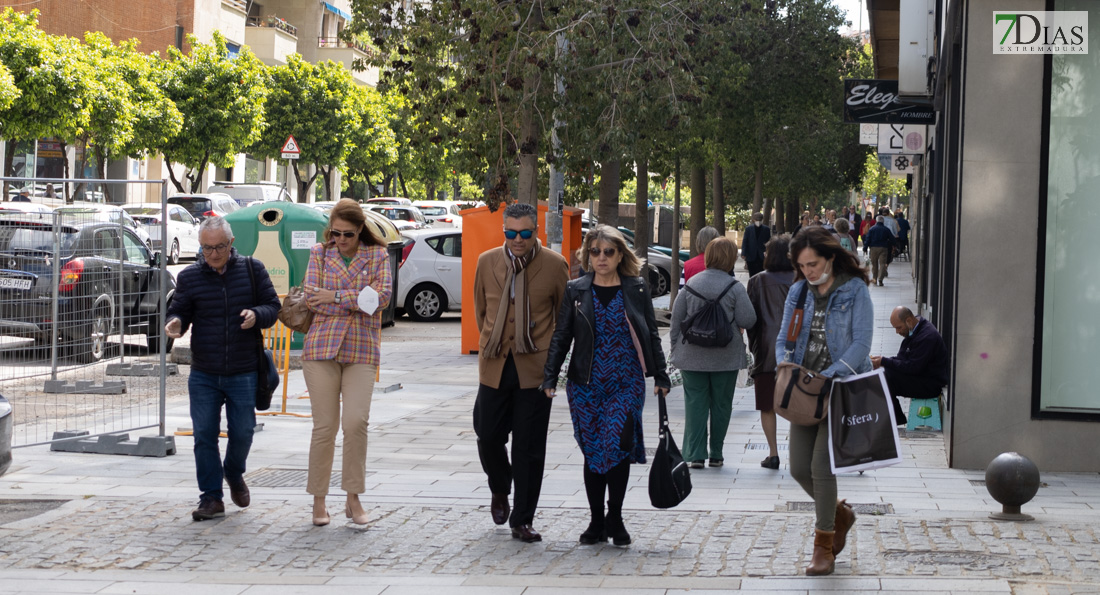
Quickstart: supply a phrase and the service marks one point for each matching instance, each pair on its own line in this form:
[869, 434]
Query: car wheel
[662, 283]
[91, 346]
[425, 303]
[174, 254]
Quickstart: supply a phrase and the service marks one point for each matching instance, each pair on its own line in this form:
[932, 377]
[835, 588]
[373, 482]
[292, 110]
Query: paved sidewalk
[122, 524]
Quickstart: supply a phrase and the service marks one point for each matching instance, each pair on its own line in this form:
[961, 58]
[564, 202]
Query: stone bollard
[1013, 480]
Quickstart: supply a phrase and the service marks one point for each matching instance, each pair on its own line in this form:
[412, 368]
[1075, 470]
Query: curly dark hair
[826, 244]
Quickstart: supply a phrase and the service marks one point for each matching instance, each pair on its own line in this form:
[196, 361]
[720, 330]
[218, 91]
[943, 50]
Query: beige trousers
[327, 380]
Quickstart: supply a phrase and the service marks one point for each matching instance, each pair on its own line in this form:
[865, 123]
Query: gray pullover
[694, 358]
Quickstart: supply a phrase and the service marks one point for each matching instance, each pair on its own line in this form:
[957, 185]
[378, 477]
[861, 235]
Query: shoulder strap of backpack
[796, 319]
[715, 299]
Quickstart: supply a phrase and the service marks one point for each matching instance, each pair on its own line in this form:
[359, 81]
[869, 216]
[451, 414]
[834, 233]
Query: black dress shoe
[770, 463]
[499, 508]
[595, 533]
[526, 534]
[238, 492]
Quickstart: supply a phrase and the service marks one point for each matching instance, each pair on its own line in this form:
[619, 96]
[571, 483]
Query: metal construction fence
[82, 307]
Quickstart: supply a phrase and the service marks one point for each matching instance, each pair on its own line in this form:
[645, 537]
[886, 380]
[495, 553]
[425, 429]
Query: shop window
[1070, 270]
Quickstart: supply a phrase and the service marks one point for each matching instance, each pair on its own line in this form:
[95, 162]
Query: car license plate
[14, 283]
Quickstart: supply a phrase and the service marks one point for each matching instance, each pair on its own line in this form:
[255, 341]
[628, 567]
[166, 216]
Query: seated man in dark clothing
[920, 369]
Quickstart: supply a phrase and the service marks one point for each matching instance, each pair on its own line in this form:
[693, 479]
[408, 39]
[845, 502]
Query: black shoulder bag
[669, 477]
[267, 378]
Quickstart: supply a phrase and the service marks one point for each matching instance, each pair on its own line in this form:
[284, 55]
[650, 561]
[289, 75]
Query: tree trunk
[698, 203]
[404, 188]
[780, 220]
[794, 213]
[758, 191]
[641, 214]
[767, 212]
[676, 235]
[719, 200]
[609, 193]
[171, 175]
[9, 163]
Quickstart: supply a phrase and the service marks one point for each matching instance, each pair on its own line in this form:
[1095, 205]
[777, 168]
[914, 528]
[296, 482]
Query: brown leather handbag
[295, 313]
[801, 396]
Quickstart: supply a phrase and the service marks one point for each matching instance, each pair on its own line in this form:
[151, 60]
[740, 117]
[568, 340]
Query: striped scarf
[517, 266]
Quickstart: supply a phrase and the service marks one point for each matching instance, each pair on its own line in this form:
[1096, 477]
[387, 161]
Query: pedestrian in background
[842, 235]
[710, 373]
[881, 242]
[517, 293]
[341, 353]
[752, 246]
[865, 226]
[695, 265]
[834, 342]
[767, 293]
[607, 316]
[214, 298]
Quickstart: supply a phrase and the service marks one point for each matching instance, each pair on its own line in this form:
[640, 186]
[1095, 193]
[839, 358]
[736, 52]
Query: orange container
[484, 230]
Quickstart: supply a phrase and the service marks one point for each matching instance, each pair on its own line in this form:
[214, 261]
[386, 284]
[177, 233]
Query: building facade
[1003, 234]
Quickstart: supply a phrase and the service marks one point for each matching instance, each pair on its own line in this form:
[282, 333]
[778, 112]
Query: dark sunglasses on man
[525, 234]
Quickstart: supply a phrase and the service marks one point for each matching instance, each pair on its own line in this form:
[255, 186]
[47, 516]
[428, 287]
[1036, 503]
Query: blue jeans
[208, 393]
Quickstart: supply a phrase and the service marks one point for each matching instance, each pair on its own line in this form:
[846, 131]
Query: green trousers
[809, 460]
[707, 395]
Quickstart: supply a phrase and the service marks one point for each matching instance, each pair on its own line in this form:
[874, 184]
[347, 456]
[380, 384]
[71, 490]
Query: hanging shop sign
[877, 101]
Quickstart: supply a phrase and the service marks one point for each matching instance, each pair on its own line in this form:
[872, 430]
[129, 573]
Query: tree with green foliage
[221, 99]
[878, 182]
[50, 79]
[314, 103]
[374, 146]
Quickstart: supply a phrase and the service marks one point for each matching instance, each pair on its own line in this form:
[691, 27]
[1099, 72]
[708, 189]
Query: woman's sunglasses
[346, 234]
[608, 252]
[525, 234]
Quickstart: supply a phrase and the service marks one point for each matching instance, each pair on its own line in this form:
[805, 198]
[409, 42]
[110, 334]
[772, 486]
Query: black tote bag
[669, 477]
[267, 375]
[862, 431]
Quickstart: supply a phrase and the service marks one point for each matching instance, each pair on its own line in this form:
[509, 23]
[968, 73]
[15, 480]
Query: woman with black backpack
[707, 319]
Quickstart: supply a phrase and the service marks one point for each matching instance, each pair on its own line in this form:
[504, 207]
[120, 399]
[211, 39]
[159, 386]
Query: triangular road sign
[291, 145]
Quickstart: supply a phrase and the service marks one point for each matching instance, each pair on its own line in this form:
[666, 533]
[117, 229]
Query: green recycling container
[280, 235]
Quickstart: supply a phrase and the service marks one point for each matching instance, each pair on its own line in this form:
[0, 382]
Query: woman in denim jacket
[835, 341]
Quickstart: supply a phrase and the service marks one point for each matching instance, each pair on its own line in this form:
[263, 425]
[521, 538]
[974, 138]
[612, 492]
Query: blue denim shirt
[849, 326]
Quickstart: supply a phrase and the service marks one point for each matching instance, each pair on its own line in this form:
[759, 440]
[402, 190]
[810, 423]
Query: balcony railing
[273, 22]
[241, 5]
[336, 42]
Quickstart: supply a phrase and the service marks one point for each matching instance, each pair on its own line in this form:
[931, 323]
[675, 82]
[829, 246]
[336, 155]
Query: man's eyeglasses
[608, 252]
[346, 234]
[525, 234]
[214, 249]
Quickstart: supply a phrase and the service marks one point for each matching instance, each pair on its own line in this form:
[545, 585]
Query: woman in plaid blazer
[341, 353]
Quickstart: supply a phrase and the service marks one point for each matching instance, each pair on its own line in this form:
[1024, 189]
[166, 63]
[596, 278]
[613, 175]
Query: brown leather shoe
[208, 509]
[823, 562]
[238, 492]
[526, 534]
[500, 509]
[845, 518]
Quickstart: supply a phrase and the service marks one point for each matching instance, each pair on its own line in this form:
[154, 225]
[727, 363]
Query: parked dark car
[106, 272]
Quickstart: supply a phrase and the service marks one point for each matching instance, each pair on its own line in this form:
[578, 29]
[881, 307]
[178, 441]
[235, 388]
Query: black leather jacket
[577, 326]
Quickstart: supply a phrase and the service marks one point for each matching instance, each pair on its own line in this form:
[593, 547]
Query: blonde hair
[629, 266]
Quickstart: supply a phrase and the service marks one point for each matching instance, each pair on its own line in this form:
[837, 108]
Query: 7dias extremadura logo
[1041, 32]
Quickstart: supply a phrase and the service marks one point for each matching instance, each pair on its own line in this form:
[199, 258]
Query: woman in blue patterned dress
[607, 317]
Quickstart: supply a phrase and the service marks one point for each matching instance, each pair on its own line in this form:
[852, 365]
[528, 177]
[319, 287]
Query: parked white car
[247, 194]
[183, 230]
[429, 281]
[403, 217]
[440, 213]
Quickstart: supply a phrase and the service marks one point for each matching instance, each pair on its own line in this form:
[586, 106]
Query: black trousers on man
[754, 266]
[525, 413]
[912, 386]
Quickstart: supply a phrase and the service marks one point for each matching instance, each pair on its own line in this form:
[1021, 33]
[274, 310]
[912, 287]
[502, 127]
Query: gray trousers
[810, 467]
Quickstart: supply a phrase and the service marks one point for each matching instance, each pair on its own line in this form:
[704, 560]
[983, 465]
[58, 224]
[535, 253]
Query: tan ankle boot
[823, 560]
[845, 518]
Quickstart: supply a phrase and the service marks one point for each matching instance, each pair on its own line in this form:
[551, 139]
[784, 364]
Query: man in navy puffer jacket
[214, 298]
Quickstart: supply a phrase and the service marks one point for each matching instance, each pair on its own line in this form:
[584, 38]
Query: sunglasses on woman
[608, 252]
[346, 234]
[525, 234]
